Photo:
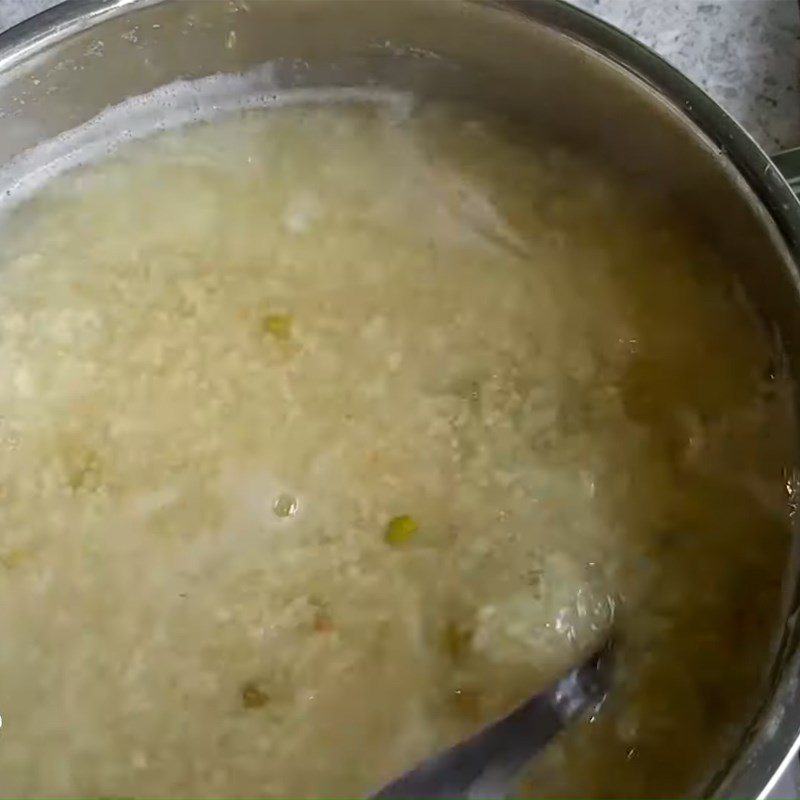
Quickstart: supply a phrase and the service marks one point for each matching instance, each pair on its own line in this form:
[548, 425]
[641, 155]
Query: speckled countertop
[745, 53]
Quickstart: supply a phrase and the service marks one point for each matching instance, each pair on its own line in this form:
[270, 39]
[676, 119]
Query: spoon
[488, 764]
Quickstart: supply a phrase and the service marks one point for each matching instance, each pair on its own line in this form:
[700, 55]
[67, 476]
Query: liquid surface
[329, 433]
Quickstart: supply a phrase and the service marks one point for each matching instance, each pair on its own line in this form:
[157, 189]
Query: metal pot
[570, 74]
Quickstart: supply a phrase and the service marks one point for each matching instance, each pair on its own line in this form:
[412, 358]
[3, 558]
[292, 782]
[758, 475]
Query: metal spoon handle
[488, 764]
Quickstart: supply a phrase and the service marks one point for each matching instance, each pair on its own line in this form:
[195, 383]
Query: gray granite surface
[745, 53]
